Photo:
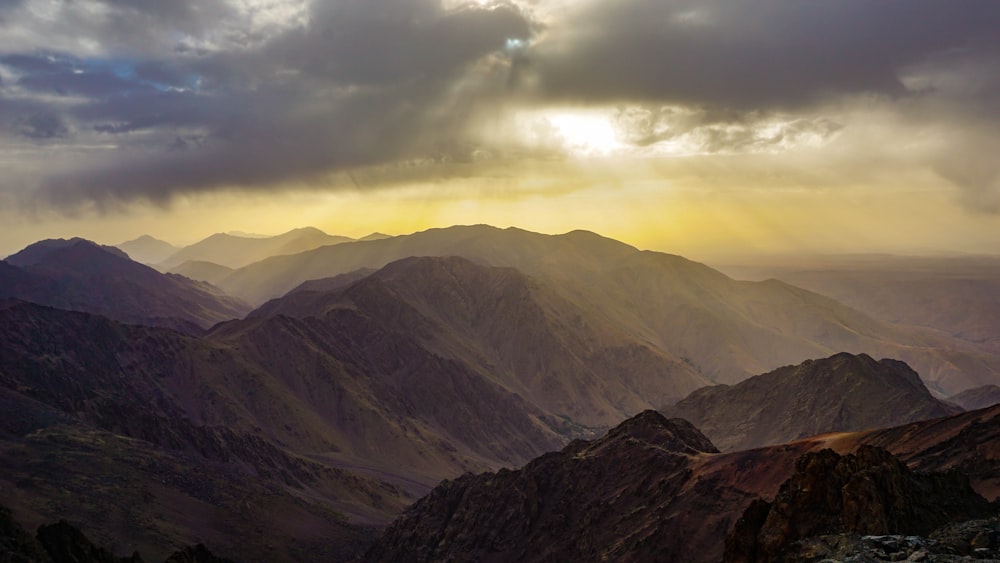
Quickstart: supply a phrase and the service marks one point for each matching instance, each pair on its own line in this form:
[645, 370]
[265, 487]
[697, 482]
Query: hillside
[977, 397]
[836, 394]
[726, 329]
[77, 274]
[653, 490]
[512, 329]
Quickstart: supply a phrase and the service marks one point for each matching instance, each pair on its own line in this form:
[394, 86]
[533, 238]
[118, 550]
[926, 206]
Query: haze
[701, 128]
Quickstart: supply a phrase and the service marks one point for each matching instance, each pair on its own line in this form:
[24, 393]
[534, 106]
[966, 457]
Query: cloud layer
[108, 101]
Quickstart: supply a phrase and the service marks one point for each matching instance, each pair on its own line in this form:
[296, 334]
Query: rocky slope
[79, 275]
[844, 392]
[652, 490]
[515, 330]
[582, 503]
[870, 492]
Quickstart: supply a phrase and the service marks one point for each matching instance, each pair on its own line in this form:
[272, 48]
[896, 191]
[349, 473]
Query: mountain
[869, 493]
[841, 393]
[77, 274]
[344, 420]
[200, 270]
[147, 249]
[515, 330]
[234, 251]
[653, 490]
[977, 398]
[725, 329]
[375, 236]
[958, 295]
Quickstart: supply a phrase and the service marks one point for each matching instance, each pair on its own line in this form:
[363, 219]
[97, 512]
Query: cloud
[760, 54]
[362, 83]
[117, 100]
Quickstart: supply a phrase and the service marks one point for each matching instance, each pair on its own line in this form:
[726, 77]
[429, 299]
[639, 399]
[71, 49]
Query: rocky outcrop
[868, 493]
[619, 498]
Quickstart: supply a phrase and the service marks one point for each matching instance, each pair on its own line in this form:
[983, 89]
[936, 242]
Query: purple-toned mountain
[726, 329]
[977, 397]
[516, 330]
[235, 251]
[147, 249]
[836, 394]
[77, 274]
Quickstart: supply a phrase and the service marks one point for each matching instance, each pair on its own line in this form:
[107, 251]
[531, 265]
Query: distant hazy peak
[41, 251]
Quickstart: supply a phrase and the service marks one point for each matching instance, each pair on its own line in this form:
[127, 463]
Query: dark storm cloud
[193, 97]
[759, 54]
[42, 126]
[365, 83]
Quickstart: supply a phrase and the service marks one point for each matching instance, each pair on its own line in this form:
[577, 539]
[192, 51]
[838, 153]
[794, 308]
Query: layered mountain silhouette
[234, 251]
[725, 329]
[147, 249]
[841, 393]
[654, 489]
[373, 369]
[958, 295]
[77, 274]
[977, 397]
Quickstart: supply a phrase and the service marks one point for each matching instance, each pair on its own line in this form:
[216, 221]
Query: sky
[704, 128]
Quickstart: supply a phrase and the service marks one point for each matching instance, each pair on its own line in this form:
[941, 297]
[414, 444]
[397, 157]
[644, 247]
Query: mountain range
[235, 251]
[373, 369]
[725, 329]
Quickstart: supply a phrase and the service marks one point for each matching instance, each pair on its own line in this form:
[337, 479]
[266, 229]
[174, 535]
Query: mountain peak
[675, 434]
[42, 251]
[843, 392]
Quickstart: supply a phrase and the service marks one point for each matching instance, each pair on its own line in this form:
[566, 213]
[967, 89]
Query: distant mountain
[515, 330]
[977, 398]
[725, 329]
[147, 249]
[202, 271]
[233, 251]
[375, 236]
[836, 394]
[653, 490]
[958, 295]
[77, 274]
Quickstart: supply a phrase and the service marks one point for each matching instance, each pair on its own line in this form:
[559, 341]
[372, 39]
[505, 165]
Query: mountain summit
[80, 275]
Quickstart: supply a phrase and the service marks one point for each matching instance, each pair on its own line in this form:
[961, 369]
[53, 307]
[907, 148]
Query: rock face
[844, 392]
[616, 498]
[870, 493]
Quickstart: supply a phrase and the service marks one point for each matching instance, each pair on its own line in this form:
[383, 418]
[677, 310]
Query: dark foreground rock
[870, 493]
